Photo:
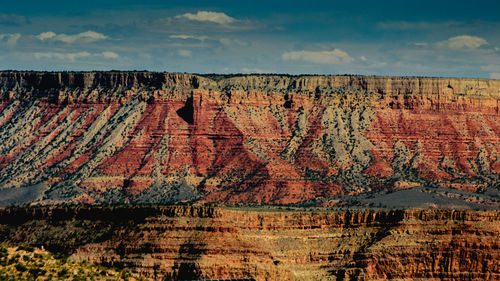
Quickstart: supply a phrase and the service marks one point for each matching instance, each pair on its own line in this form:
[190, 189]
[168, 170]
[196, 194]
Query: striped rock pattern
[200, 242]
[100, 137]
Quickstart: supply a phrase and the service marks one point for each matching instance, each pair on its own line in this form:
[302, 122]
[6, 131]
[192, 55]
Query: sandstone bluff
[107, 137]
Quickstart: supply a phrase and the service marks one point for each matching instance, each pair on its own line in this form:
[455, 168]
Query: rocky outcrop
[382, 245]
[200, 242]
[101, 137]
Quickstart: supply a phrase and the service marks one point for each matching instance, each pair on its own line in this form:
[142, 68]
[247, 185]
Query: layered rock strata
[186, 242]
[100, 137]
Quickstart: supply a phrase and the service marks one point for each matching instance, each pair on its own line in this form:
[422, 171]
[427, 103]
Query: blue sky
[408, 38]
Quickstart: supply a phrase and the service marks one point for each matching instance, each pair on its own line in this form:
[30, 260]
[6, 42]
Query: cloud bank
[216, 17]
[73, 56]
[335, 56]
[87, 36]
[463, 42]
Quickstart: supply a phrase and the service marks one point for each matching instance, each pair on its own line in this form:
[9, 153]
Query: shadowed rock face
[180, 242]
[163, 137]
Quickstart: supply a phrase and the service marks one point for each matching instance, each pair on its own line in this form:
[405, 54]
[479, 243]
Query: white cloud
[216, 17]
[87, 36]
[223, 41]
[184, 37]
[110, 55]
[495, 76]
[73, 56]
[10, 39]
[335, 56]
[463, 42]
[201, 23]
[46, 35]
[61, 56]
[184, 53]
[362, 58]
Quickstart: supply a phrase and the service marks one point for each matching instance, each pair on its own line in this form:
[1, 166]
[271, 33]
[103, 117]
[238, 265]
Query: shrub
[37, 272]
[3, 251]
[63, 273]
[21, 267]
[80, 278]
[26, 248]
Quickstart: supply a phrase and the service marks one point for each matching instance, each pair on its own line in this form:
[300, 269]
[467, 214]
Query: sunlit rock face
[199, 242]
[101, 137]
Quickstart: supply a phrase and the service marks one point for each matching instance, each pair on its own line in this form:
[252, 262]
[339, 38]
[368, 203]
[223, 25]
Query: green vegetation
[25, 262]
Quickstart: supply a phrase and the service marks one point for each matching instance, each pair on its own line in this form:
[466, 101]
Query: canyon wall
[102, 137]
[199, 242]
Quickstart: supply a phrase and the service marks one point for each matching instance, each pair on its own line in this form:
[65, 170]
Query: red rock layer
[143, 136]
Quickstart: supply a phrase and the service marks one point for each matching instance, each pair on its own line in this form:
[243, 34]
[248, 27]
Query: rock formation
[101, 137]
[196, 242]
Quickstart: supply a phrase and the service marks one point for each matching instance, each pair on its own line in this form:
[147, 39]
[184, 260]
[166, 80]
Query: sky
[401, 38]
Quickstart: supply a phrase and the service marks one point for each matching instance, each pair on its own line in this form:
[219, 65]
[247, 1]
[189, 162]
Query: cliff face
[161, 137]
[202, 243]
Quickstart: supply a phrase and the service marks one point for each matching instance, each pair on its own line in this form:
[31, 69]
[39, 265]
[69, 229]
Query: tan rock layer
[13, 84]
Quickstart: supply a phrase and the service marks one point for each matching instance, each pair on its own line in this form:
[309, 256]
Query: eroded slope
[154, 137]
